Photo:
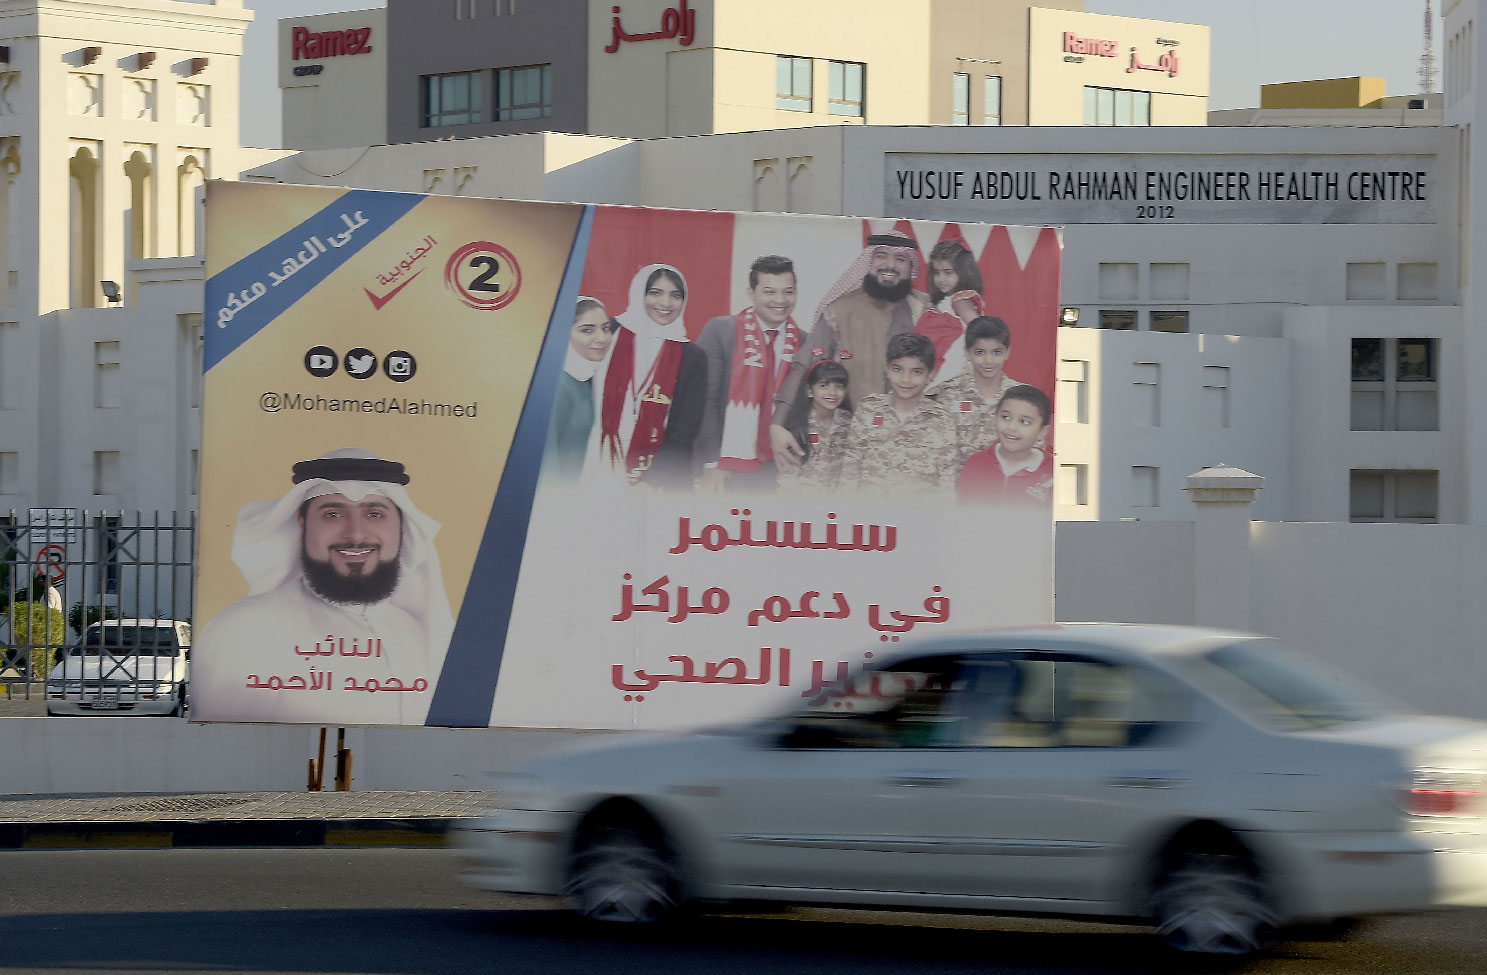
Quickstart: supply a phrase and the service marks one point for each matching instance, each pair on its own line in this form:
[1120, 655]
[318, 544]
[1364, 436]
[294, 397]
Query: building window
[1116, 106]
[1411, 496]
[1144, 487]
[1169, 321]
[1417, 282]
[451, 99]
[10, 359]
[1169, 282]
[524, 93]
[792, 86]
[991, 101]
[1120, 319]
[109, 547]
[1073, 484]
[960, 99]
[105, 472]
[106, 375]
[1215, 397]
[1072, 391]
[1146, 380]
[1118, 281]
[847, 84]
[1366, 281]
[1395, 384]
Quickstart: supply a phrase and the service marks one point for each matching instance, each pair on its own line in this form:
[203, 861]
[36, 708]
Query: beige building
[1091, 69]
[112, 115]
[655, 68]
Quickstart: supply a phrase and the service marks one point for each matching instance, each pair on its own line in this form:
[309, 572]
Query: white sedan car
[1206, 783]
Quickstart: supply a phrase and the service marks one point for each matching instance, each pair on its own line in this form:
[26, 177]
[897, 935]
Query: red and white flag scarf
[653, 402]
[750, 392]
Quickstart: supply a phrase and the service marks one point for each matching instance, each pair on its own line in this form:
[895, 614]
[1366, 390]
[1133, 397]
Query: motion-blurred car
[1206, 783]
[128, 666]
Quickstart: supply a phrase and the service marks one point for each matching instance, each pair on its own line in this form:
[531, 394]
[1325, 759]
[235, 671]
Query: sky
[1254, 42]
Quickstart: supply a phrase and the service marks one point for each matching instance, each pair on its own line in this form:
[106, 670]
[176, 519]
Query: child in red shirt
[1012, 471]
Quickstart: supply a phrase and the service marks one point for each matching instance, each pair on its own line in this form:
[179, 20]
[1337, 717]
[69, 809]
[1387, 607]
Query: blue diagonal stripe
[229, 322]
[467, 684]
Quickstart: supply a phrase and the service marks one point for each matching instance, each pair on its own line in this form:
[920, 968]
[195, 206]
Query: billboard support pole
[317, 767]
[343, 762]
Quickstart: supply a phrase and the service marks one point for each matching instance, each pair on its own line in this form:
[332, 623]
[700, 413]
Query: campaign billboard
[471, 463]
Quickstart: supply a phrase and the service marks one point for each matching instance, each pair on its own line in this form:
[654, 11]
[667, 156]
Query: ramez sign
[312, 45]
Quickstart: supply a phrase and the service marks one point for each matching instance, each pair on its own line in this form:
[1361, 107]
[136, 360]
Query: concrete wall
[1341, 593]
[1171, 404]
[1400, 606]
[61, 756]
[1359, 597]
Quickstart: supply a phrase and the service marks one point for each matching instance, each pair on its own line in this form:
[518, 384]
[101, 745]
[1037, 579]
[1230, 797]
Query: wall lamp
[1068, 316]
[111, 292]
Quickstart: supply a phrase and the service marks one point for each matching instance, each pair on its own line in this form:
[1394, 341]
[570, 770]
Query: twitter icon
[361, 363]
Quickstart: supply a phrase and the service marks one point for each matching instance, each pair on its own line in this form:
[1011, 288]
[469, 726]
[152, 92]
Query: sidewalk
[237, 819]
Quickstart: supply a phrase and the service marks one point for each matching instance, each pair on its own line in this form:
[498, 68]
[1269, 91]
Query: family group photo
[906, 360]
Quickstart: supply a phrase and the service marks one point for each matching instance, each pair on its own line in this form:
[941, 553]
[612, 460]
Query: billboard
[473, 463]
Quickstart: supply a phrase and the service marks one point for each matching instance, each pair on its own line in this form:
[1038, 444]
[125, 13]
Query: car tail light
[1437, 792]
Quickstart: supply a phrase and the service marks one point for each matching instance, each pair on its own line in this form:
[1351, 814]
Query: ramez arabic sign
[1166, 188]
[679, 22]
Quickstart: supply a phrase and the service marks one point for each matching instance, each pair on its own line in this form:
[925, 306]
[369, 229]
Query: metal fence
[63, 569]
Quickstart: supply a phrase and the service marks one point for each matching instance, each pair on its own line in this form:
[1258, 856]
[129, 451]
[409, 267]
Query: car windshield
[1264, 679]
[159, 640]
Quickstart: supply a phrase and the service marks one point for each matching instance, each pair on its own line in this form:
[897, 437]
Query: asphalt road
[399, 911]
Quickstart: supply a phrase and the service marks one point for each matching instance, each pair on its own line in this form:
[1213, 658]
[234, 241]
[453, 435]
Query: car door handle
[1147, 779]
[924, 779]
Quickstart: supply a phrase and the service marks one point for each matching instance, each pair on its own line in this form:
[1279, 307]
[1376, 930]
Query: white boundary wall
[1398, 606]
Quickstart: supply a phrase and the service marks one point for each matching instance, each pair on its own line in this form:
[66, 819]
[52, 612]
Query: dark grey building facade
[485, 67]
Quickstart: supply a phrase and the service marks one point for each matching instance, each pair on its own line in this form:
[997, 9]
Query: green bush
[44, 630]
[79, 618]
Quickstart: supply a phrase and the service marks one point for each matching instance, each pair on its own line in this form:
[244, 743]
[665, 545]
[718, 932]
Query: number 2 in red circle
[483, 275]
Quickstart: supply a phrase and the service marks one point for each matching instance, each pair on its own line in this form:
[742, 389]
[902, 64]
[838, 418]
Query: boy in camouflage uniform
[973, 395]
[902, 443]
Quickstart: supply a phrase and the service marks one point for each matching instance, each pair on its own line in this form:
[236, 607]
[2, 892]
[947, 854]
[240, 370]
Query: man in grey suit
[748, 356]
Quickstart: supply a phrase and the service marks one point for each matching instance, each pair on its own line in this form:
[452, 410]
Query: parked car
[1208, 784]
[131, 666]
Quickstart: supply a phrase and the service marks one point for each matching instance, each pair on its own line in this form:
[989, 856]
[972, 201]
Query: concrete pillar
[1222, 500]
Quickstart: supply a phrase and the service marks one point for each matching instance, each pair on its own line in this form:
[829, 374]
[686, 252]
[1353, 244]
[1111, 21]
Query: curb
[229, 832]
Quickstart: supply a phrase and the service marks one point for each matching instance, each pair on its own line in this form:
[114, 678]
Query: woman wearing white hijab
[574, 405]
[652, 387]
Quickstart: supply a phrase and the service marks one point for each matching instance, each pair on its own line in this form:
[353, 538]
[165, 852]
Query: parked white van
[128, 666]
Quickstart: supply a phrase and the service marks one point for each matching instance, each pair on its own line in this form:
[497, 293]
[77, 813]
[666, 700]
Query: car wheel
[1211, 901]
[623, 875]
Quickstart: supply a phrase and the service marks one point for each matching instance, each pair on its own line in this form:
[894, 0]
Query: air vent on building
[1417, 103]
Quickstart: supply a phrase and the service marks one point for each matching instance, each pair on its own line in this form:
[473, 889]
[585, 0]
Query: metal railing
[63, 569]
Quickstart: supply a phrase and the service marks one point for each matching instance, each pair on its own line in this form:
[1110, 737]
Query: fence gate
[61, 569]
